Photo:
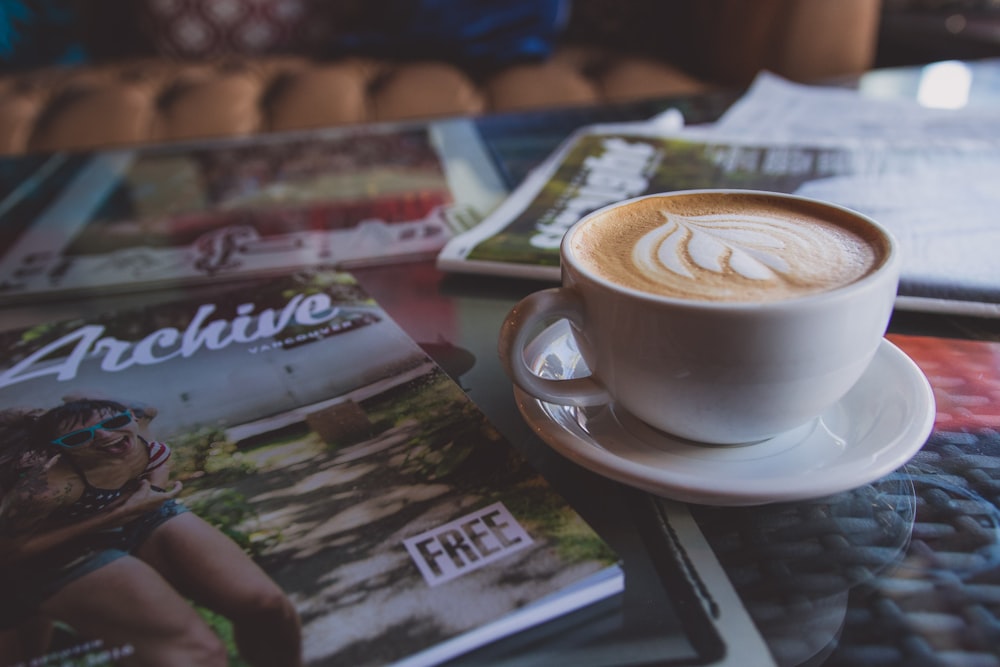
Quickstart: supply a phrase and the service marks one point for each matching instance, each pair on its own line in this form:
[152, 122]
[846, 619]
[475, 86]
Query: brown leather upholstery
[724, 42]
[156, 100]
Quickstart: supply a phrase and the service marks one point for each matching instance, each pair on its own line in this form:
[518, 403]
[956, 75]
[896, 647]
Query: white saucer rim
[588, 453]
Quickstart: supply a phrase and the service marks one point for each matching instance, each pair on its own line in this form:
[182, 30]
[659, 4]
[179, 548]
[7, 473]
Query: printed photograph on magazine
[935, 200]
[340, 197]
[277, 470]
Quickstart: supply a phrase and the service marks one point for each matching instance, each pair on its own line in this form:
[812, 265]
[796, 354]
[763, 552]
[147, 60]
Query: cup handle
[518, 330]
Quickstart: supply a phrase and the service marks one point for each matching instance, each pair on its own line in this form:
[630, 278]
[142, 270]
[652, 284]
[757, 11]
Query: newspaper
[937, 197]
[775, 109]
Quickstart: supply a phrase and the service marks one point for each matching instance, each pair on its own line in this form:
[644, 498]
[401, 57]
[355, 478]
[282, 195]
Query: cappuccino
[731, 247]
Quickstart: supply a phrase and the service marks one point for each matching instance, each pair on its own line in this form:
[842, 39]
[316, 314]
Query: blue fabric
[36, 33]
[481, 32]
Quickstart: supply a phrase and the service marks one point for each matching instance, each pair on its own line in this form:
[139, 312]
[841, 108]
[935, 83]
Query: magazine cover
[315, 479]
[909, 567]
[281, 470]
[938, 201]
[165, 215]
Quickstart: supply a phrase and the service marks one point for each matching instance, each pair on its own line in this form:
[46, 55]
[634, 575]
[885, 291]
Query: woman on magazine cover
[91, 535]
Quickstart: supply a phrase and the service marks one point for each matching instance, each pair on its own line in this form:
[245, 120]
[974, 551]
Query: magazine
[153, 216]
[329, 468]
[937, 200]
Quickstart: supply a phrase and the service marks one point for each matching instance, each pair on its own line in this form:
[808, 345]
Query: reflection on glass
[945, 85]
[796, 565]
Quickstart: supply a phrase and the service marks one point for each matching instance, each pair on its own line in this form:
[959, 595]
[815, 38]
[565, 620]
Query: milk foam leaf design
[779, 264]
[705, 250]
[749, 237]
[747, 266]
[717, 243]
[667, 251]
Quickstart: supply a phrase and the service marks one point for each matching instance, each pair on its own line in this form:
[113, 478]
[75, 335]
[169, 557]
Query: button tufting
[156, 99]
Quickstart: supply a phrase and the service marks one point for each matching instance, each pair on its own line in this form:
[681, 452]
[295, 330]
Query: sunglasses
[83, 436]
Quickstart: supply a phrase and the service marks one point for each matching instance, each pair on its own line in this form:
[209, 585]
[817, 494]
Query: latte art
[716, 243]
[748, 250]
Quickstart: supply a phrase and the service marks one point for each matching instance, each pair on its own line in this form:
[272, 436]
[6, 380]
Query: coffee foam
[733, 247]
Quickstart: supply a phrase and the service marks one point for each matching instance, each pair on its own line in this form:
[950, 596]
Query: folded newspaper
[938, 198]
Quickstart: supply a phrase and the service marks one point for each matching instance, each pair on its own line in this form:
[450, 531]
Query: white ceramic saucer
[881, 422]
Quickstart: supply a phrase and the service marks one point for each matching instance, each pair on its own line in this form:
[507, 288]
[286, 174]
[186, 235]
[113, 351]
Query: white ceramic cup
[716, 372]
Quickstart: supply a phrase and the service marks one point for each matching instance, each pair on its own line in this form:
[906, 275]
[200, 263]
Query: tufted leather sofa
[155, 99]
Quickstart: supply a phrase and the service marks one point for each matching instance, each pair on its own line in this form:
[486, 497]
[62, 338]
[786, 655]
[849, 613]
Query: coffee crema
[735, 247]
